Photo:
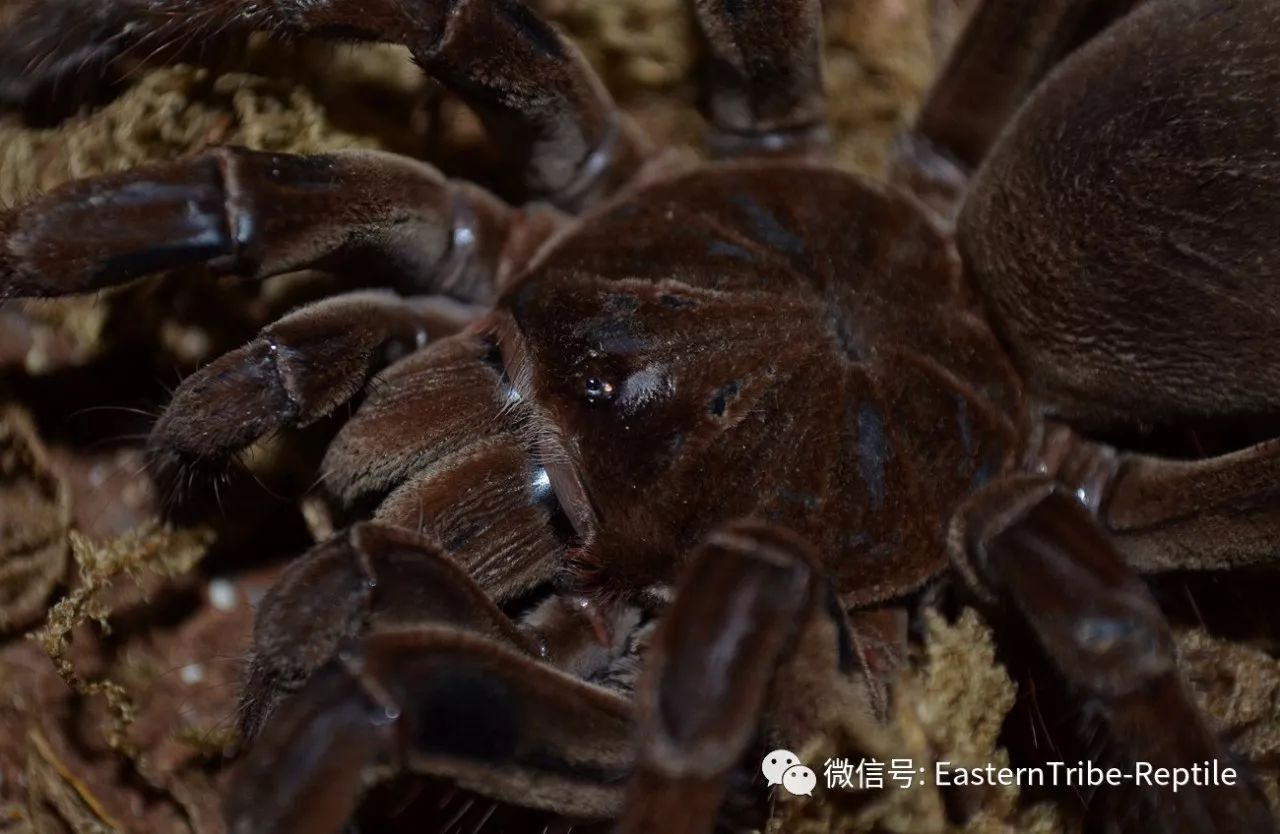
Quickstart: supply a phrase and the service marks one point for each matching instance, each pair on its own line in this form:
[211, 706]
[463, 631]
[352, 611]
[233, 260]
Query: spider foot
[296, 372]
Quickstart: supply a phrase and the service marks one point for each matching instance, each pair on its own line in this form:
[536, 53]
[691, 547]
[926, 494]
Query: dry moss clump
[639, 47]
[151, 548]
[879, 62]
[1238, 687]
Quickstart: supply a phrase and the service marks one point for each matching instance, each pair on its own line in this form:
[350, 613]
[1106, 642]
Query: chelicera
[713, 421]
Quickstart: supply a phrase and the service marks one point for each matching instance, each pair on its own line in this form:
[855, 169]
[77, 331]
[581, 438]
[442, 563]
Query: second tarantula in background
[726, 420]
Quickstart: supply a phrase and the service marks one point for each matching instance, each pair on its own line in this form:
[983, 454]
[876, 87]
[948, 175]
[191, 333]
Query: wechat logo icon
[782, 767]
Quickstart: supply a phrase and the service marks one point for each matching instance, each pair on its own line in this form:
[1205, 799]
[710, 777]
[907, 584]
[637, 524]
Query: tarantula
[728, 415]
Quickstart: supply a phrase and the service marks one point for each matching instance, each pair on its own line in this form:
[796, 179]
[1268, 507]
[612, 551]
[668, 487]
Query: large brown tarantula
[732, 413]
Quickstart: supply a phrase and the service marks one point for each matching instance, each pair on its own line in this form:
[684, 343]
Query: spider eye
[596, 389]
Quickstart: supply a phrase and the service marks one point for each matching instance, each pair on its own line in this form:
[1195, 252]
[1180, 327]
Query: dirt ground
[123, 638]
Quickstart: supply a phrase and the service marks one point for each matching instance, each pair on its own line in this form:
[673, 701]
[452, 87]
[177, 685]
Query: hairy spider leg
[1044, 564]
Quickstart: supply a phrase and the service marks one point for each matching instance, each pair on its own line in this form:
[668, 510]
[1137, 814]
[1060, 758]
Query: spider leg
[1166, 514]
[1051, 569]
[533, 89]
[738, 601]
[1005, 49]
[764, 91]
[1217, 513]
[297, 371]
[751, 637]
[366, 578]
[260, 214]
[437, 701]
